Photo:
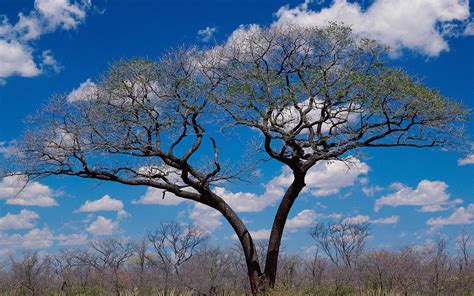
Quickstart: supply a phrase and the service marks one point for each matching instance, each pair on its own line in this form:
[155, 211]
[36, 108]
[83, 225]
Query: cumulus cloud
[206, 34]
[429, 195]
[24, 220]
[16, 59]
[106, 203]
[17, 191]
[16, 40]
[102, 226]
[85, 91]
[155, 196]
[469, 159]
[206, 218]
[33, 239]
[60, 13]
[261, 234]
[329, 177]
[40, 238]
[460, 215]
[251, 202]
[303, 219]
[400, 24]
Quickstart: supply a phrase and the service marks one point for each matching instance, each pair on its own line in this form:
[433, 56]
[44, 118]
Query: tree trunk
[281, 216]
[260, 282]
[253, 267]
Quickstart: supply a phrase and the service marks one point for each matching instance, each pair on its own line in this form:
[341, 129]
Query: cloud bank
[416, 25]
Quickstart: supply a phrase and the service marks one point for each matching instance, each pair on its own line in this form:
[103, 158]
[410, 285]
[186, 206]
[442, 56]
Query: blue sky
[409, 196]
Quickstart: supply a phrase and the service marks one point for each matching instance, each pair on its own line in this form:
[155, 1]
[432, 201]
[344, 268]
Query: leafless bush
[32, 274]
[175, 258]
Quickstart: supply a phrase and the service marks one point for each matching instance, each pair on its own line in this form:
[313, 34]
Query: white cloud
[329, 216]
[460, 216]
[74, 239]
[206, 218]
[48, 61]
[16, 59]
[329, 177]
[371, 190]
[106, 203]
[305, 218]
[154, 196]
[9, 149]
[359, 219]
[102, 226]
[16, 191]
[250, 202]
[61, 13]
[206, 34]
[33, 239]
[261, 234]
[85, 91]
[469, 159]
[16, 40]
[428, 195]
[40, 238]
[469, 30]
[398, 23]
[432, 208]
[388, 220]
[24, 220]
[159, 196]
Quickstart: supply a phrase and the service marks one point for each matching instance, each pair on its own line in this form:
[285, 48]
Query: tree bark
[251, 259]
[281, 216]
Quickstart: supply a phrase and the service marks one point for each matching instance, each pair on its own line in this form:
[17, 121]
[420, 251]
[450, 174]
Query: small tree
[107, 257]
[173, 245]
[32, 273]
[313, 93]
[342, 242]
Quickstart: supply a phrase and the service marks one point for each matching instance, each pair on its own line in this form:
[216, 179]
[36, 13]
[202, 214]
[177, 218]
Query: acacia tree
[314, 94]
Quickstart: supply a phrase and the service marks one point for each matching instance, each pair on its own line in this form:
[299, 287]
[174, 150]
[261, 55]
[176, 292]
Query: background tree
[342, 242]
[314, 94]
[32, 273]
[107, 257]
[173, 245]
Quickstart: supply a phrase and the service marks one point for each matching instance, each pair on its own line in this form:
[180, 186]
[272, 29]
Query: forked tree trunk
[261, 282]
